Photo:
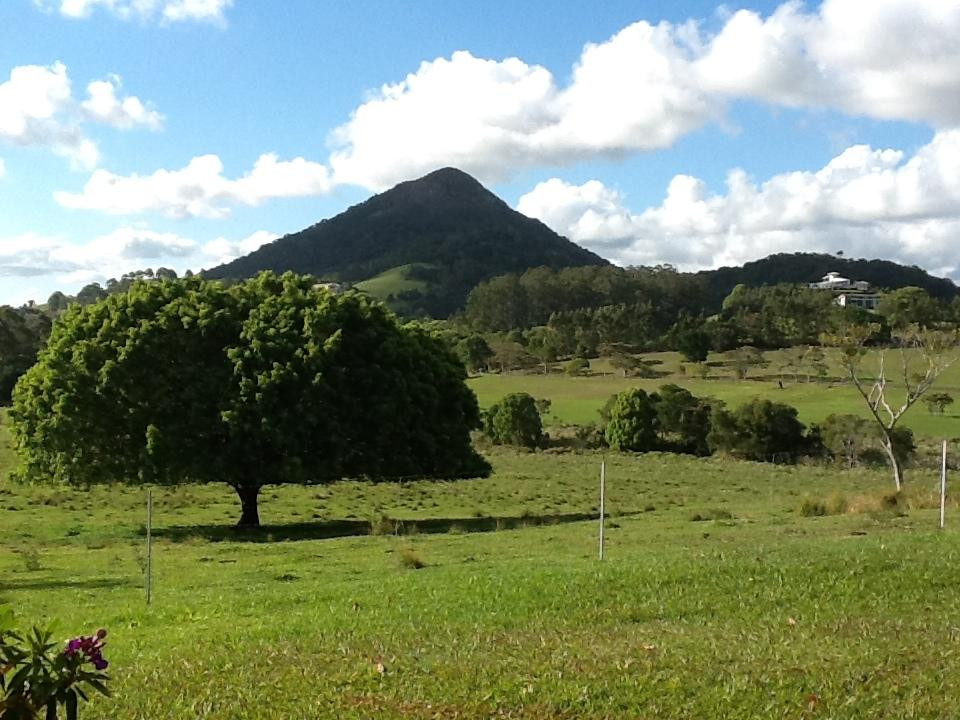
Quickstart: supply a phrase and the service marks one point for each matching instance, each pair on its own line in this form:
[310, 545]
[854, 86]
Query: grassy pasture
[718, 597]
[393, 281]
[577, 401]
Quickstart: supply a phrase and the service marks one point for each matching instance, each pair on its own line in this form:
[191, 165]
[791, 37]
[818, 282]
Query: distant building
[849, 293]
[334, 287]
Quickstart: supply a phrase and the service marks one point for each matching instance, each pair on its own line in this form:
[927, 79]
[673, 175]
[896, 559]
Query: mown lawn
[577, 401]
[717, 599]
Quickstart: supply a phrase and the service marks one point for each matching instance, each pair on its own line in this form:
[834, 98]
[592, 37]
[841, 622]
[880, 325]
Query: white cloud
[3, 167]
[199, 189]
[168, 11]
[866, 202]
[103, 105]
[54, 263]
[490, 118]
[222, 250]
[890, 59]
[649, 85]
[37, 109]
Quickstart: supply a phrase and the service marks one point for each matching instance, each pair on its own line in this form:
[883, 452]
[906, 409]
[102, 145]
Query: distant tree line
[545, 314]
[672, 419]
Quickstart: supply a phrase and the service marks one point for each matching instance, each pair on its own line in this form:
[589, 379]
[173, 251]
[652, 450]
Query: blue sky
[140, 133]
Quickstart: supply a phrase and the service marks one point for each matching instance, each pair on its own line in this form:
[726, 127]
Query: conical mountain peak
[446, 225]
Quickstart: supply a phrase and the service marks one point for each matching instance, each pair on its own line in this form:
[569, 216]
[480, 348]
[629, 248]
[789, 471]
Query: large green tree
[264, 382]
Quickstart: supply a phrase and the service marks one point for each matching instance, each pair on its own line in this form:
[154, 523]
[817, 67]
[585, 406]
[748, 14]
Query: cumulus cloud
[649, 85]
[56, 263]
[866, 202]
[199, 189]
[889, 59]
[102, 105]
[168, 11]
[492, 117]
[37, 108]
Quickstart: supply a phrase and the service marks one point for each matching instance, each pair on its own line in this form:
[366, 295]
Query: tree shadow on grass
[329, 529]
[60, 583]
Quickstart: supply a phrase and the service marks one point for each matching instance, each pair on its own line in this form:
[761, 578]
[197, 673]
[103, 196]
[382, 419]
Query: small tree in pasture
[633, 422]
[577, 367]
[515, 420]
[745, 359]
[938, 402]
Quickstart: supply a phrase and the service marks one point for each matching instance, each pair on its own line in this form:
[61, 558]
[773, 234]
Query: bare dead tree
[933, 351]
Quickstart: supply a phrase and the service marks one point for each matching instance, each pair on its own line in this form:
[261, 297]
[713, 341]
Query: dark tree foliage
[683, 420]
[445, 219]
[758, 430]
[23, 331]
[779, 315]
[515, 420]
[474, 352]
[912, 306]
[690, 337]
[624, 305]
[265, 382]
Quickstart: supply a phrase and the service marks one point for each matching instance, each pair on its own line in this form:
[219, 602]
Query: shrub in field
[851, 439]
[576, 367]
[39, 676]
[759, 430]
[515, 420]
[938, 402]
[633, 422]
[813, 508]
[410, 560]
[683, 420]
[590, 436]
[846, 437]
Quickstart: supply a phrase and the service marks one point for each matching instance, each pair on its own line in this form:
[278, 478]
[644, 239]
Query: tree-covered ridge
[576, 311]
[803, 268]
[445, 219]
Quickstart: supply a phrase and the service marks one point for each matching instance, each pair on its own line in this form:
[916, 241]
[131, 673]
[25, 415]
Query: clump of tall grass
[410, 560]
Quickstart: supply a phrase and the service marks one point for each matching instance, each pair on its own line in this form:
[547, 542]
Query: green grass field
[577, 401]
[718, 598]
[393, 281]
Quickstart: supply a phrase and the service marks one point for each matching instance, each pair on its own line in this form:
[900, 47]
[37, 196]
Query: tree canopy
[264, 382]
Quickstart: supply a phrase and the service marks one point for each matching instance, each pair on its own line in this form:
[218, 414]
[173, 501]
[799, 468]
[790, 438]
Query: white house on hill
[849, 293]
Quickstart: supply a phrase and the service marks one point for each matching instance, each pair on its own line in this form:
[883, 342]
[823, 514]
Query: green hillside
[403, 287]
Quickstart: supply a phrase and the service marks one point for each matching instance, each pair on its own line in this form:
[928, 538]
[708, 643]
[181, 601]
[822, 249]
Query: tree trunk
[249, 512]
[894, 461]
